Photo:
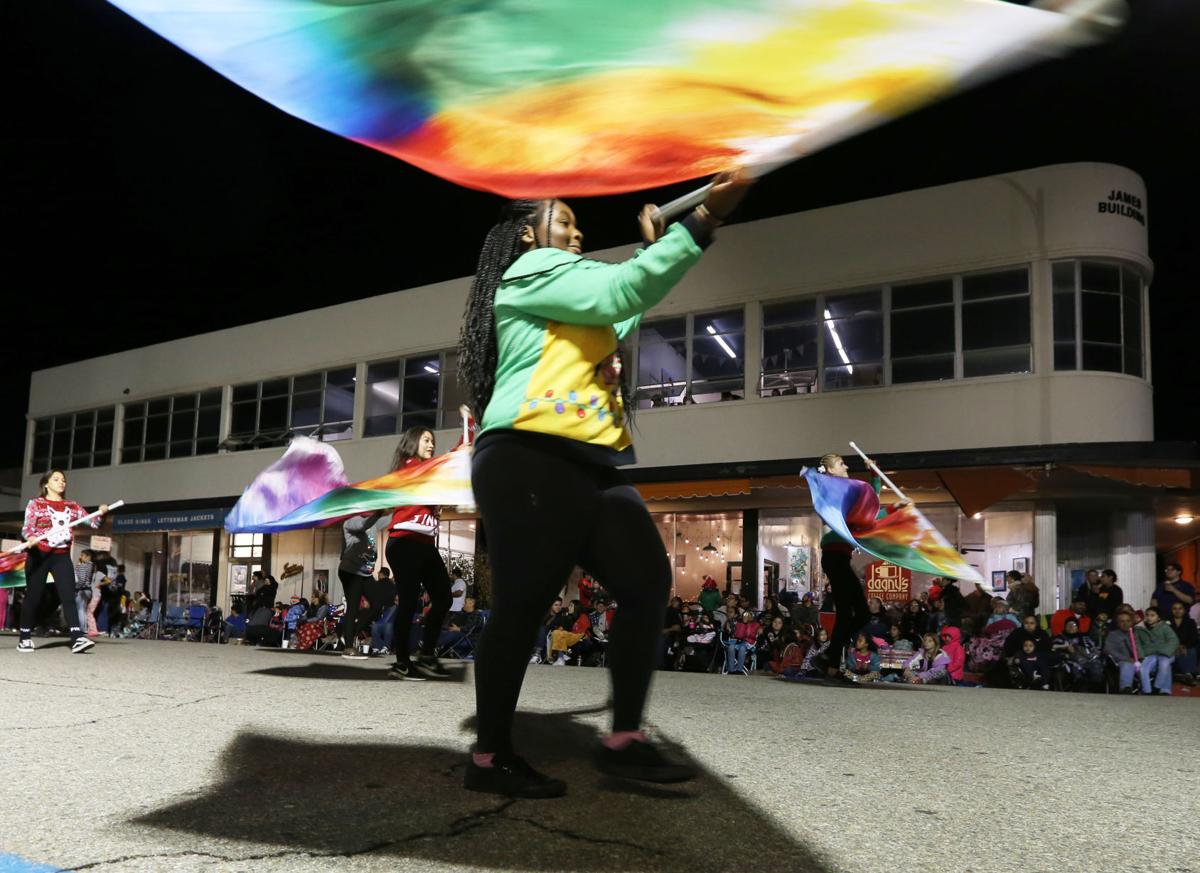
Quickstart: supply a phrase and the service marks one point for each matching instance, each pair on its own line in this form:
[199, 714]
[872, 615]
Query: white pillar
[1131, 552]
[1045, 554]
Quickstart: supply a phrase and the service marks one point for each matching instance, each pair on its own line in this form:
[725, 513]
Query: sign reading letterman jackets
[184, 519]
[889, 583]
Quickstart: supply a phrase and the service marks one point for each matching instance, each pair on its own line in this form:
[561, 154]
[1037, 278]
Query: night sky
[146, 198]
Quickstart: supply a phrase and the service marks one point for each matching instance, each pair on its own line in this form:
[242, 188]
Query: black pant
[354, 587]
[414, 564]
[849, 600]
[37, 565]
[543, 514]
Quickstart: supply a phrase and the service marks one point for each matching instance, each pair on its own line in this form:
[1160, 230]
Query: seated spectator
[897, 640]
[235, 625]
[827, 602]
[930, 666]
[295, 614]
[862, 660]
[462, 627]
[1156, 644]
[1184, 667]
[318, 610]
[773, 639]
[672, 633]
[561, 639]
[741, 642]
[726, 611]
[791, 657]
[951, 638]
[1079, 667]
[914, 622]
[805, 612]
[1029, 630]
[987, 647]
[1032, 667]
[1077, 611]
[1120, 646]
[770, 610]
[383, 630]
[264, 627]
[710, 595]
[877, 621]
[695, 652]
[1001, 611]
[1173, 590]
[809, 666]
[556, 619]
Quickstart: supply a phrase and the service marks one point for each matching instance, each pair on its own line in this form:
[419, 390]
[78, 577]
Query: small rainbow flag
[904, 537]
[265, 507]
[543, 98]
[12, 570]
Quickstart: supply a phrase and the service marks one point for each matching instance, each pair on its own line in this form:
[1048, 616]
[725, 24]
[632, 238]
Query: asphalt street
[170, 756]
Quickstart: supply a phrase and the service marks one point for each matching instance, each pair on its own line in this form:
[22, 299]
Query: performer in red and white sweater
[415, 561]
[48, 536]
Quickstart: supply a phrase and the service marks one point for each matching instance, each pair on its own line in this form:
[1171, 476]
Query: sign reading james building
[1121, 202]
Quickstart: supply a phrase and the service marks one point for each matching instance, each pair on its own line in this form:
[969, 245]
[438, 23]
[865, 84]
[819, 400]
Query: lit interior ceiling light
[721, 342]
[1184, 519]
[977, 516]
[430, 368]
[837, 341]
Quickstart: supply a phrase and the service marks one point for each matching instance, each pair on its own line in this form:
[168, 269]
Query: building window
[1097, 317]
[418, 391]
[74, 441]
[996, 327]
[697, 358]
[245, 545]
[172, 427]
[853, 340]
[269, 413]
[791, 348]
[922, 332]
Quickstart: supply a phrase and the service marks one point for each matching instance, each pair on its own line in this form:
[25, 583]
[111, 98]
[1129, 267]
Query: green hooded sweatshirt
[559, 317]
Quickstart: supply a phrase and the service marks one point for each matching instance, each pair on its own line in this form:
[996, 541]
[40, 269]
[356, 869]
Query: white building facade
[986, 315]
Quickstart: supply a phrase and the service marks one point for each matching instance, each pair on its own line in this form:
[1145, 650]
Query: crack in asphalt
[119, 715]
[86, 688]
[575, 835]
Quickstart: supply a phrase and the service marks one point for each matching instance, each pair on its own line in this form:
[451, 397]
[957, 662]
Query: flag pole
[114, 505]
[882, 475]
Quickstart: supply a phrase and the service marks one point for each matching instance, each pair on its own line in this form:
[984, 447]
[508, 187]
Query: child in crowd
[897, 640]
[1079, 668]
[951, 638]
[741, 642]
[930, 666]
[1033, 667]
[808, 669]
[1121, 646]
[862, 661]
[1002, 612]
[1156, 643]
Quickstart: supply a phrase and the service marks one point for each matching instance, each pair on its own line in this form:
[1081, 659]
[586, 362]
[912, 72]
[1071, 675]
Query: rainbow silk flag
[441, 481]
[12, 570]
[903, 537]
[540, 98]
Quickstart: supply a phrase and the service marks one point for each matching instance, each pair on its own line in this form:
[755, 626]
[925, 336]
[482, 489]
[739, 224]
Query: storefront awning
[699, 488]
[1153, 477]
[976, 490]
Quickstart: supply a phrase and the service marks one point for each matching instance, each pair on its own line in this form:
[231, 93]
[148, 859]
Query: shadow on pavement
[325, 670]
[407, 801]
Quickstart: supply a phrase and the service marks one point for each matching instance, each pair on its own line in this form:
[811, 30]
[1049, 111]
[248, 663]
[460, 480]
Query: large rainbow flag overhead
[903, 537]
[537, 98]
[303, 489]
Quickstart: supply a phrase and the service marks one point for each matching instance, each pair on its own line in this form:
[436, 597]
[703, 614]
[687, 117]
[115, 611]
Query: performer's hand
[651, 224]
[465, 412]
[727, 191]
[30, 543]
[103, 508]
[901, 504]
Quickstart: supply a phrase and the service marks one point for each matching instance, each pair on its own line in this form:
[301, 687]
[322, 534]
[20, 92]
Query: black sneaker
[82, 644]
[643, 761]
[428, 667]
[405, 671]
[25, 646]
[512, 777]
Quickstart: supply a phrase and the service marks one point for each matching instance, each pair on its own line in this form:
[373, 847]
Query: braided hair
[477, 351]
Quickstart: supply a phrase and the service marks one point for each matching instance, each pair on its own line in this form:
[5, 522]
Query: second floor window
[698, 358]
[171, 427]
[73, 441]
[420, 390]
[271, 412]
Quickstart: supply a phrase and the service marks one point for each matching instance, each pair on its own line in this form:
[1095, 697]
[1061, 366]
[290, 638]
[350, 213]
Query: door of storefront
[191, 569]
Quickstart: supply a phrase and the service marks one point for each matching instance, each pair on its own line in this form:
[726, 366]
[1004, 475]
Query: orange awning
[974, 490]
[1154, 477]
[699, 488]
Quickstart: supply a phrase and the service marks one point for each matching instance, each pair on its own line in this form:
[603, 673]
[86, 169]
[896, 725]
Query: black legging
[543, 514]
[354, 586]
[37, 565]
[849, 600]
[415, 563]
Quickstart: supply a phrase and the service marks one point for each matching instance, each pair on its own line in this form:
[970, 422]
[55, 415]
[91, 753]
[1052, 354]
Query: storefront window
[73, 441]
[456, 542]
[191, 575]
[787, 550]
[700, 545]
[244, 546]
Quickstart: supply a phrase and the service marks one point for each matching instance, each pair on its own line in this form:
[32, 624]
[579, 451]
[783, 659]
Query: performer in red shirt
[48, 536]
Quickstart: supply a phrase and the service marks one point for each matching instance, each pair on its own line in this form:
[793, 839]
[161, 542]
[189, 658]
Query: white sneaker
[25, 646]
[82, 644]
[561, 661]
[352, 655]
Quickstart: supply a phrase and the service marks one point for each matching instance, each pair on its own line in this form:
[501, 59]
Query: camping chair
[173, 621]
[464, 646]
[150, 628]
[194, 621]
[751, 655]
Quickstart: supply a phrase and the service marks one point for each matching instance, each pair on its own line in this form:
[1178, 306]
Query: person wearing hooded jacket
[952, 645]
[710, 595]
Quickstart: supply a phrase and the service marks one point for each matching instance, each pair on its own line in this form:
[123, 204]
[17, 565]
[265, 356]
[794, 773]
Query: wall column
[1131, 554]
[751, 565]
[1045, 554]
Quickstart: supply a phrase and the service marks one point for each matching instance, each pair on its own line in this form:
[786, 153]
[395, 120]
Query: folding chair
[194, 621]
